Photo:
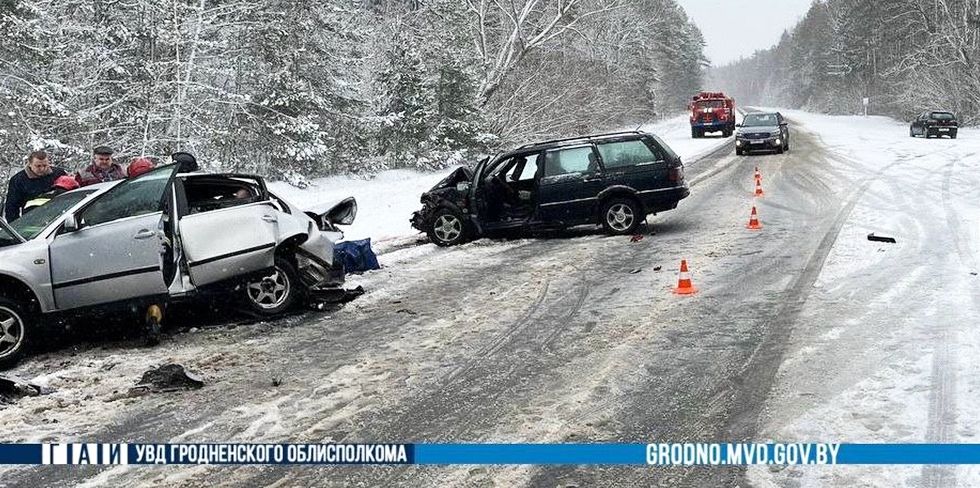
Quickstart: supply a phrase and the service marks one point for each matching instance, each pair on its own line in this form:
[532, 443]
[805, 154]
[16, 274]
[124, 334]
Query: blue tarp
[356, 256]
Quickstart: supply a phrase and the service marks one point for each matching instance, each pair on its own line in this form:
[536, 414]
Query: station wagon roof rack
[594, 136]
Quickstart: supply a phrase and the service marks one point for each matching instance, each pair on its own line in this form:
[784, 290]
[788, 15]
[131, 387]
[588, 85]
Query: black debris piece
[635, 270]
[12, 388]
[636, 238]
[336, 295]
[169, 377]
[873, 237]
[658, 268]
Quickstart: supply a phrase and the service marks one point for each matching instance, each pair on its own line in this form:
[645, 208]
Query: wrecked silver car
[159, 237]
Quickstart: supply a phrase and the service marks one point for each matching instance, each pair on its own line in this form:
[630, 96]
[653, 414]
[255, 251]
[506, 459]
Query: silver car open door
[228, 228]
[110, 250]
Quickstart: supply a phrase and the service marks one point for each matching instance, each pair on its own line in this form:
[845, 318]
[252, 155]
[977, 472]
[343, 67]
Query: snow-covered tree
[290, 88]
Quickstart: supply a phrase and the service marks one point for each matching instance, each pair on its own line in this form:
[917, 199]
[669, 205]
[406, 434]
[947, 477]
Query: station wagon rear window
[621, 154]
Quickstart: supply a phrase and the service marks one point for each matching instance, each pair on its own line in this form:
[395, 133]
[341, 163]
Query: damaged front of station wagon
[613, 180]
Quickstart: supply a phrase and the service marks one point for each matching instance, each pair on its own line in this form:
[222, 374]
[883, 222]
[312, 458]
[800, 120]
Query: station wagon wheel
[275, 291]
[13, 333]
[621, 216]
[447, 228]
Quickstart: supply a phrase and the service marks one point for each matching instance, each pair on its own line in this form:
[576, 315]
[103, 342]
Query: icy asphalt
[794, 335]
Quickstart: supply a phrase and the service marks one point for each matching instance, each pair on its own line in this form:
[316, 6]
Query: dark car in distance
[762, 131]
[614, 180]
[936, 123]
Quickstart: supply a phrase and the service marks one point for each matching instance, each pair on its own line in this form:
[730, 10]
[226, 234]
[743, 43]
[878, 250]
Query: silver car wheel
[271, 291]
[448, 228]
[11, 332]
[620, 217]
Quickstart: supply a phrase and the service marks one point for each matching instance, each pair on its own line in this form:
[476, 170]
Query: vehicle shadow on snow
[127, 330]
[647, 229]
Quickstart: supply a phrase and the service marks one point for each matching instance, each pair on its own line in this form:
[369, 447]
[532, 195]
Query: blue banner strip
[909, 454]
[530, 453]
[20, 453]
[496, 454]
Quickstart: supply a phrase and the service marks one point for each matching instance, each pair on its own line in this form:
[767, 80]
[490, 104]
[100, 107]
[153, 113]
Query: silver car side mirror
[71, 223]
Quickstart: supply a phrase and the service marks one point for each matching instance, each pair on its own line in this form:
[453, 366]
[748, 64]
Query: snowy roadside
[386, 200]
[890, 327]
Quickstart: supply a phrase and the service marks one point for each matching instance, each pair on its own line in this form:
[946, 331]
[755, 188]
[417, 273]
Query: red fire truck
[712, 112]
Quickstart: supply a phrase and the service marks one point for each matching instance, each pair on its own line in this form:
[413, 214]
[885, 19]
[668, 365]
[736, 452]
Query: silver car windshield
[32, 223]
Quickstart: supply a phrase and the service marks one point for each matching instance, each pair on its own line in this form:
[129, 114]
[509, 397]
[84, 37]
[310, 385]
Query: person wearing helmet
[102, 169]
[139, 166]
[61, 185]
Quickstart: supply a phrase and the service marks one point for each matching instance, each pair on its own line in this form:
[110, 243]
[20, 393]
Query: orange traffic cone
[758, 175]
[684, 286]
[754, 220]
[758, 187]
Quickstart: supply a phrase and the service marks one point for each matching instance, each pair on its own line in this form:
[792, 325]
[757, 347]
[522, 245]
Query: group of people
[40, 181]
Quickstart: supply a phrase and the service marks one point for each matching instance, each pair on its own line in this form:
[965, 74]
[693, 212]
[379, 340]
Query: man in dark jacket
[101, 170]
[35, 179]
[61, 185]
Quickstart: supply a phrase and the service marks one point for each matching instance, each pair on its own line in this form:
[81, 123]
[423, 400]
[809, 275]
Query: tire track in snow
[755, 380]
[496, 344]
[942, 401]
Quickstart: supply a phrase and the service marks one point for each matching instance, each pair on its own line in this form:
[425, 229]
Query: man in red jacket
[101, 170]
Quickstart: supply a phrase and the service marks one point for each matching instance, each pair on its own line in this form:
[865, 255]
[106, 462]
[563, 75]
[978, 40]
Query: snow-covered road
[802, 331]
[885, 348]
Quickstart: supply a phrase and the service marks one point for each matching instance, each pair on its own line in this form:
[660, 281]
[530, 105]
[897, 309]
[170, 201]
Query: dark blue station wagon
[614, 180]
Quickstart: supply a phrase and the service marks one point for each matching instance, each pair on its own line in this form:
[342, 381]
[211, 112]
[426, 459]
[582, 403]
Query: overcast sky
[735, 28]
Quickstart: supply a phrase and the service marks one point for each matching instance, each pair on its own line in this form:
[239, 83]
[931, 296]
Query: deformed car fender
[28, 264]
[317, 244]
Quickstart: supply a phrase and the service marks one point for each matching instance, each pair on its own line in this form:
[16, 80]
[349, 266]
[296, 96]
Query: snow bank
[385, 201]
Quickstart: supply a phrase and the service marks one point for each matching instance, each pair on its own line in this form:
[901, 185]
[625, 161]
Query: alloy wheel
[448, 228]
[271, 291]
[620, 217]
[11, 332]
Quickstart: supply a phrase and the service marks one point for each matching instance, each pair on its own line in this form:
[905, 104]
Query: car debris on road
[873, 237]
[13, 388]
[168, 378]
